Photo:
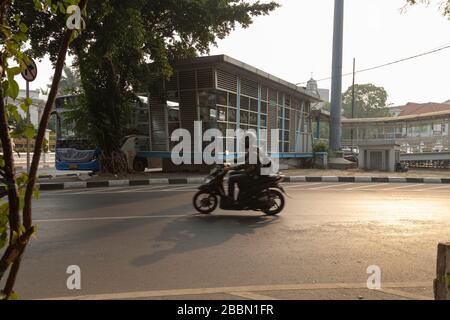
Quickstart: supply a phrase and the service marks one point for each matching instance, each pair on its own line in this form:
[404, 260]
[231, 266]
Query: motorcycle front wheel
[276, 204]
[205, 202]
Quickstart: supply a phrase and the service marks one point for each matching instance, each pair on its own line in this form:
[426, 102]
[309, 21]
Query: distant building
[36, 108]
[324, 94]
[224, 93]
[411, 108]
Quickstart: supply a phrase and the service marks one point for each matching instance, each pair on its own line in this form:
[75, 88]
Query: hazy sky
[296, 40]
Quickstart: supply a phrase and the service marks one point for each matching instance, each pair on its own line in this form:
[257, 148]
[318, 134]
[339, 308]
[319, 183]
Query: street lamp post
[336, 83]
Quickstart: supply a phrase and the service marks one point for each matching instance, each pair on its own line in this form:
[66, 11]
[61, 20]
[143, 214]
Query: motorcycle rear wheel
[205, 202]
[277, 203]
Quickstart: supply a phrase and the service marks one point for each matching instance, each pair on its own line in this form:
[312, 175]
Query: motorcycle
[263, 193]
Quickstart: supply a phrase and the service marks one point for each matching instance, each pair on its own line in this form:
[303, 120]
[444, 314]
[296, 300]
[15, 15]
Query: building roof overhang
[229, 61]
[392, 120]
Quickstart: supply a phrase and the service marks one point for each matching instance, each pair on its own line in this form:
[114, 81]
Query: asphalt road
[147, 242]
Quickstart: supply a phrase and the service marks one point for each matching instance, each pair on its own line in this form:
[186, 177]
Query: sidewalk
[312, 291]
[70, 180]
[47, 161]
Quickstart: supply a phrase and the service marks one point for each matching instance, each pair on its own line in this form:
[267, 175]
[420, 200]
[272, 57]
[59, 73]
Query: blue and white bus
[72, 151]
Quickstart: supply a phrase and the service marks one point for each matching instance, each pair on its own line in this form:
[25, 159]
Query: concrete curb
[198, 181]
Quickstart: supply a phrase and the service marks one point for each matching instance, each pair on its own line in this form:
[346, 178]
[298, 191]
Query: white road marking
[243, 289]
[107, 190]
[403, 187]
[295, 187]
[332, 186]
[367, 186]
[251, 296]
[305, 184]
[435, 188]
[404, 294]
[72, 191]
[189, 188]
[146, 188]
[111, 218]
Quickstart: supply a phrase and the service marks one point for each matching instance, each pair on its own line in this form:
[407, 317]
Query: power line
[441, 48]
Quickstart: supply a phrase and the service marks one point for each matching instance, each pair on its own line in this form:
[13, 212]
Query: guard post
[442, 281]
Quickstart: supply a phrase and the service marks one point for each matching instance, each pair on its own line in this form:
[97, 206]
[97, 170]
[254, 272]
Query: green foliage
[320, 147]
[15, 22]
[444, 5]
[127, 45]
[370, 102]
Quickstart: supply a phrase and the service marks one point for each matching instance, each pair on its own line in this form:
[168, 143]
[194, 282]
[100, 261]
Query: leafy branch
[20, 189]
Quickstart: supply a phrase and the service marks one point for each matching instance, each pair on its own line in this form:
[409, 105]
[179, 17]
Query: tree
[444, 6]
[16, 225]
[70, 82]
[128, 45]
[370, 102]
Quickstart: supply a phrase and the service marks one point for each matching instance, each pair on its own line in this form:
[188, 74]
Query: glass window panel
[280, 99]
[263, 121]
[232, 100]
[222, 127]
[287, 102]
[222, 98]
[245, 103]
[254, 105]
[206, 98]
[208, 114]
[287, 113]
[254, 119]
[244, 117]
[264, 107]
[231, 115]
[222, 113]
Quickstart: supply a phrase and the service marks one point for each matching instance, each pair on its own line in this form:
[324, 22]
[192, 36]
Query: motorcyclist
[245, 170]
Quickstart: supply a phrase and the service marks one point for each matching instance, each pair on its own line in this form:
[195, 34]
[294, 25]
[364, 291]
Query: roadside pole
[353, 100]
[28, 123]
[442, 281]
[29, 74]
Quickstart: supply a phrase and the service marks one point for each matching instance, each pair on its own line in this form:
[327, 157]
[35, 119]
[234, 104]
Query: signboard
[30, 73]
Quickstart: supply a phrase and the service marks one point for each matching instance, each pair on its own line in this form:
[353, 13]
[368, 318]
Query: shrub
[320, 147]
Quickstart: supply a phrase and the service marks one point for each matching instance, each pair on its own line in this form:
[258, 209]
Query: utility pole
[353, 98]
[336, 84]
